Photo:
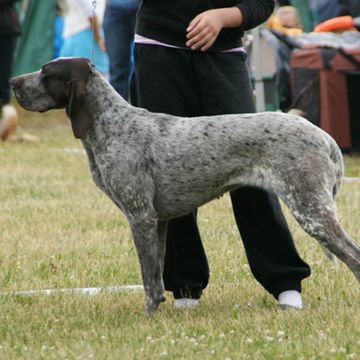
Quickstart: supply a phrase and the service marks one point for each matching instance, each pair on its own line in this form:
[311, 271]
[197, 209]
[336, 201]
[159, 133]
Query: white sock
[186, 303]
[290, 299]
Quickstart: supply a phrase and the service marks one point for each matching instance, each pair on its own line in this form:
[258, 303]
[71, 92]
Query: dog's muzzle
[16, 83]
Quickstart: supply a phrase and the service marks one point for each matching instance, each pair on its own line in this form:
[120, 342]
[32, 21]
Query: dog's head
[59, 84]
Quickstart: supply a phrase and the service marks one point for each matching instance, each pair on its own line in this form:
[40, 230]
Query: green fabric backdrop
[36, 42]
[307, 16]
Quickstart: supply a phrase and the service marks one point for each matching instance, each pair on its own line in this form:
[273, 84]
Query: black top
[9, 23]
[350, 7]
[167, 20]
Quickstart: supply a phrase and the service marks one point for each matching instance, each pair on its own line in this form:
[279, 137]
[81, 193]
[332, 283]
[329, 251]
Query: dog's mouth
[21, 99]
[27, 104]
[18, 93]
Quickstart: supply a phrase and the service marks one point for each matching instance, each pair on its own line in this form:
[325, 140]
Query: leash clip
[94, 4]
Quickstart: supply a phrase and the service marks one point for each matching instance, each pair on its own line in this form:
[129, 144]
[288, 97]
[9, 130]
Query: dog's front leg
[162, 232]
[149, 237]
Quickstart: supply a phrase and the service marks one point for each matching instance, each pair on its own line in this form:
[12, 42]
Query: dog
[156, 167]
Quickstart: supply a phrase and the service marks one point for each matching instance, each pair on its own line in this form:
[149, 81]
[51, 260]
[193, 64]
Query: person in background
[58, 29]
[350, 7]
[189, 61]
[119, 25]
[9, 32]
[82, 34]
[286, 20]
[325, 9]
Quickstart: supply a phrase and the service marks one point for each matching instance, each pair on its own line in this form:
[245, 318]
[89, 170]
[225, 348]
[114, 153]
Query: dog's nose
[16, 82]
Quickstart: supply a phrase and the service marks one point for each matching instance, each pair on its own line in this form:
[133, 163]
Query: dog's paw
[152, 305]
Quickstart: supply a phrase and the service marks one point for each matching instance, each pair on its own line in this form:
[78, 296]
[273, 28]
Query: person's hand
[204, 29]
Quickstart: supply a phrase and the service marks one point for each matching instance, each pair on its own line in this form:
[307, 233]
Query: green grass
[58, 231]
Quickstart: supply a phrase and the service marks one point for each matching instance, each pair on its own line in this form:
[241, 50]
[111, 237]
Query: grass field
[58, 231]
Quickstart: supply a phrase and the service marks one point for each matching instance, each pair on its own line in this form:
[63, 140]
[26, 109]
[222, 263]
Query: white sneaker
[290, 299]
[186, 303]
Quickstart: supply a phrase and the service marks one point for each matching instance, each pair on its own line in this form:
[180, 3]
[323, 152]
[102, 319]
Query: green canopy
[37, 39]
[307, 15]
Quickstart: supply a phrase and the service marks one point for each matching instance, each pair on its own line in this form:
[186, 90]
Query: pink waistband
[138, 39]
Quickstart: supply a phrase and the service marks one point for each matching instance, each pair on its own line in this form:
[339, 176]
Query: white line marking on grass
[77, 151]
[351, 179]
[82, 291]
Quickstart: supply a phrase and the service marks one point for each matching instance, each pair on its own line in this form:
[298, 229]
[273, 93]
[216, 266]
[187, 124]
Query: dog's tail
[337, 159]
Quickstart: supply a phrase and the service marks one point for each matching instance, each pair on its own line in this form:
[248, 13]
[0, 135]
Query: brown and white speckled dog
[155, 167]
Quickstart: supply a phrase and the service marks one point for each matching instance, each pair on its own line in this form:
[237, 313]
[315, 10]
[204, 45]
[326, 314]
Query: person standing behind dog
[119, 26]
[189, 61]
[9, 32]
[80, 26]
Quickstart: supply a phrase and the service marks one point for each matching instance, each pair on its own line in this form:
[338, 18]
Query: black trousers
[187, 83]
[7, 48]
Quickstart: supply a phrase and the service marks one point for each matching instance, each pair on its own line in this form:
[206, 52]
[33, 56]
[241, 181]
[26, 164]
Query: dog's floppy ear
[78, 109]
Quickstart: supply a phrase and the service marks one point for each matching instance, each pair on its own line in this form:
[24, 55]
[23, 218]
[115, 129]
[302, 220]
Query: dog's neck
[102, 98]
[101, 101]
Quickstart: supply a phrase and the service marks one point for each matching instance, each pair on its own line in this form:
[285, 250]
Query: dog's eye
[45, 70]
[44, 75]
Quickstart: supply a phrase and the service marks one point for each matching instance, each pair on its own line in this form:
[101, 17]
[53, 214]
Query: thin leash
[93, 30]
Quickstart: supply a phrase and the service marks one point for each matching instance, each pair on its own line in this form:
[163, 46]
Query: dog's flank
[156, 167]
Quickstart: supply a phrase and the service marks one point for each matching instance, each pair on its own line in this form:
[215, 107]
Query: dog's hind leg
[317, 216]
[333, 237]
[149, 237]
